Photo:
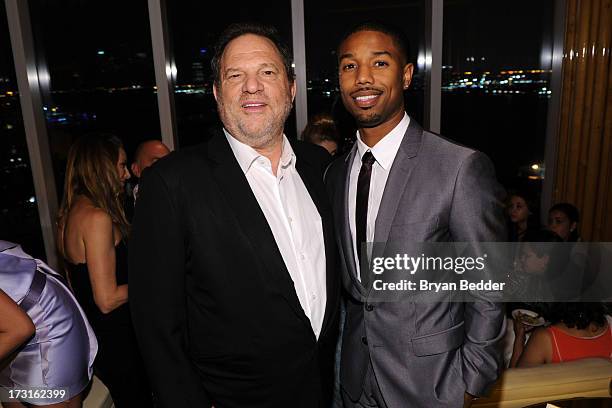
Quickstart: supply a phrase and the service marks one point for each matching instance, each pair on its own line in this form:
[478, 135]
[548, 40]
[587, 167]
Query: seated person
[563, 220]
[521, 210]
[538, 261]
[60, 355]
[578, 330]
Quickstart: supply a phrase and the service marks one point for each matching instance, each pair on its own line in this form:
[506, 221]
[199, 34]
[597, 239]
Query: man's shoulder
[310, 152]
[336, 166]
[314, 155]
[180, 161]
[437, 144]
[184, 166]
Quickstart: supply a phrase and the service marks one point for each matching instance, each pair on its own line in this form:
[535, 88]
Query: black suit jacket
[214, 308]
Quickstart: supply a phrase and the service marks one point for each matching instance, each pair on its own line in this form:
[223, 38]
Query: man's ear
[407, 75]
[135, 170]
[215, 91]
[293, 90]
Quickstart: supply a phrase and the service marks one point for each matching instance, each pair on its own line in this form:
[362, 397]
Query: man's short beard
[369, 121]
[257, 139]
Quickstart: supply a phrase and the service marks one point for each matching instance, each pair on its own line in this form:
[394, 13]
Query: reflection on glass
[496, 83]
[195, 29]
[97, 57]
[19, 220]
[326, 22]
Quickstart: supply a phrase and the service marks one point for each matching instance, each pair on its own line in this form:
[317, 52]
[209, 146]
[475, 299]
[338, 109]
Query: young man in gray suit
[397, 184]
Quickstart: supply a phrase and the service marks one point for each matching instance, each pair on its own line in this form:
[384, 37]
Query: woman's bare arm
[538, 349]
[15, 326]
[519, 341]
[99, 241]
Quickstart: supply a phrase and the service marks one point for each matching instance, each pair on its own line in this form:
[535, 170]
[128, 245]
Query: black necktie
[361, 211]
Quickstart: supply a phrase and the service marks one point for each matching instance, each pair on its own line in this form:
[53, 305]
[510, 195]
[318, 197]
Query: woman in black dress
[93, 231]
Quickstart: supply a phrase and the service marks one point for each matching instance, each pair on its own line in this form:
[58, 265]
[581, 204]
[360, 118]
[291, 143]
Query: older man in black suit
[232, 284]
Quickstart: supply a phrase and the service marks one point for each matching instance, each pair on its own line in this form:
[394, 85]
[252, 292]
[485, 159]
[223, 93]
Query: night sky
[72, 32]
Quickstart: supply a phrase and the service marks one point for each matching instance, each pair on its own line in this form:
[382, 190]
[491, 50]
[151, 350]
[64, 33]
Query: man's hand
[467, 400]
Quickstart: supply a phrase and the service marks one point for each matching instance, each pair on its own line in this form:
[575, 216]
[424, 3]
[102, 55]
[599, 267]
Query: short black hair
[578, 314]
[236, 30]
[397, 35]
[568, 209]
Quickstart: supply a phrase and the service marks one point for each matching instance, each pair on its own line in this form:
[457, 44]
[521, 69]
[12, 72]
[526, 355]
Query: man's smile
[253, 106]
[366, 98]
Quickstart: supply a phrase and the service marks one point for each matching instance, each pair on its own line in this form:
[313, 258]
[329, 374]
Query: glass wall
[96, 71]
[99, 67]
[19, 220]
[495, 84]
[326, 22]
[194, 28]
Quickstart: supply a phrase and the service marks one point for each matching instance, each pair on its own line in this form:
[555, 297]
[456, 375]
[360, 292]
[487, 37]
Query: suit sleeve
[157, 295]
[477, 215]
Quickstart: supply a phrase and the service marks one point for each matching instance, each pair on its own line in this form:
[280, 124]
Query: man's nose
[364, 75]
[252, 84]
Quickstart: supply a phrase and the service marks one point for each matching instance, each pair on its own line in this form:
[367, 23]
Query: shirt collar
[246, 155]
[385, 150]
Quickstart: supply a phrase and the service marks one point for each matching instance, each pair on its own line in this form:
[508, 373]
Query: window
[101, 76]
[19, 220]
[495, 83]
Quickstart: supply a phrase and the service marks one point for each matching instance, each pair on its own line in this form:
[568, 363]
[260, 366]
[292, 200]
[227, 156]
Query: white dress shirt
[294, 220]
[384, 153]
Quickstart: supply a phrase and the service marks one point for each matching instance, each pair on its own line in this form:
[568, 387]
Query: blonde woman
[93, 230]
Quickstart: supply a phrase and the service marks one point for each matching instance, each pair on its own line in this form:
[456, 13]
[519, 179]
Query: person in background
[15, 327]
[321, 130]
[520, 210]
[93, 230]
[563, 220]
[578, 330]
[147, 153]
[537, 262]
[60, 355]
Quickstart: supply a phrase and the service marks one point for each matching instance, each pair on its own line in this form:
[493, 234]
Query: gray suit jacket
[424, 354]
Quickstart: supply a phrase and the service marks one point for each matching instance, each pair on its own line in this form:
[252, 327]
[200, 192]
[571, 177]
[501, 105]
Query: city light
[100, 52]
[535, 167]
[32, 199]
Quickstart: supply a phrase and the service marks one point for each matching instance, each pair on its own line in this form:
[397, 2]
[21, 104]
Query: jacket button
[364, 340]
[369, 307]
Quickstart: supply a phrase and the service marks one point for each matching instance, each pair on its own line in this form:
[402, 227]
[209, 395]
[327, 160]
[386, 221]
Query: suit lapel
[402, 166]
[345, 231]
[251, 220]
